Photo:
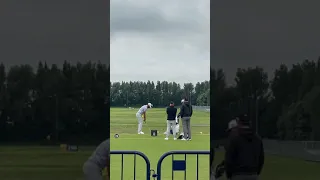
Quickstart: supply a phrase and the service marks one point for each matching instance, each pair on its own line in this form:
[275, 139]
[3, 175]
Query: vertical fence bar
[198, 167]
[122, 162]
[134, 166]
[172, 172]
[185, 171]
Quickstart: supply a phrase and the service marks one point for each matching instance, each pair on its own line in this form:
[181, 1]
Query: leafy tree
[285, 107]
[68, 104]
[136, 93]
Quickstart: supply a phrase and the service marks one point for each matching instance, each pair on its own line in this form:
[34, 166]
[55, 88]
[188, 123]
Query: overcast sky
[265, 33]
[160, 40]
[53, 31]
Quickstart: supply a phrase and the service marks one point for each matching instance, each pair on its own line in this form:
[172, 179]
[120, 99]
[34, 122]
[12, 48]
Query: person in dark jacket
[244, 156]
[171, 121]
[186, 114]
[96, 163]
[212, 154]
[232, 130]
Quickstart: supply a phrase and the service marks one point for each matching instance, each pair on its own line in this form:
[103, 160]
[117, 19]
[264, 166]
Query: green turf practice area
[42, 163]
[281, 168]
[124, 123]
[51, 163]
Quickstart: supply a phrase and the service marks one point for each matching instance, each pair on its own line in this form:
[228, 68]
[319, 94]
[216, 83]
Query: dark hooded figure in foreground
[244, 156]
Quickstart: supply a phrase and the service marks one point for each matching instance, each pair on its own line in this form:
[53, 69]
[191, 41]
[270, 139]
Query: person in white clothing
[176, 127]
[142, 112]
[171, 121]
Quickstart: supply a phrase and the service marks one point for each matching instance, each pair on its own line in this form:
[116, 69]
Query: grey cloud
[73, 30]
[126, 17]
[264, 33]
[147, 36]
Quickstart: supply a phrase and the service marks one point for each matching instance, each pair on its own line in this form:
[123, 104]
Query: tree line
[71, 103]
[285, 107]
[160, 94]
[51, 103]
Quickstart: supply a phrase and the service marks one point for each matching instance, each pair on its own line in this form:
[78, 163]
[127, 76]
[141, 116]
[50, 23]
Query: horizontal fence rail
[201, 108]
[307, 150]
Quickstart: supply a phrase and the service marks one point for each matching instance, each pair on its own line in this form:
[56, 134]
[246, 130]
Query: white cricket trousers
[140, 122]
[171, 124]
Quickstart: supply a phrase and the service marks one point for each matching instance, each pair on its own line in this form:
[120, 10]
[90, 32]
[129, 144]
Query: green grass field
[281, 168]
[124, 123]
[50, 163]
[41, 163]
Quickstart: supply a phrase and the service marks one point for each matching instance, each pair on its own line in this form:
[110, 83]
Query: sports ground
[41, 163]
[50, 163]
[124, 123]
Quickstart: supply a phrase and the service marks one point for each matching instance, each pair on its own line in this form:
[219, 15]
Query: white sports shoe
[174, 138]
[166, 138]
[140, 132]
[183, 139]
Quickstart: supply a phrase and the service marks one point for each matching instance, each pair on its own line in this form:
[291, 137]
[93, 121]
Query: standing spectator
[186, 114]
[171, 121]
[232, 130]
[244, 156]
